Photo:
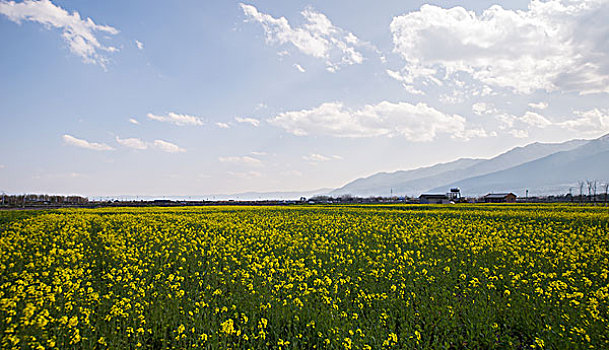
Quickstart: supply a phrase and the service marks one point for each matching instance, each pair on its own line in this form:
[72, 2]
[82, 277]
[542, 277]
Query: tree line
[23, 200]
[597, 191]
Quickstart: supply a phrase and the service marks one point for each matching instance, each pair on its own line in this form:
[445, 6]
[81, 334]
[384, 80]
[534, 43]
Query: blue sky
[192, 98]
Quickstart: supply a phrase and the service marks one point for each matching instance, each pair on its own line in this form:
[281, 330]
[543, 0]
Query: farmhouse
[500, 198]
[430, 198]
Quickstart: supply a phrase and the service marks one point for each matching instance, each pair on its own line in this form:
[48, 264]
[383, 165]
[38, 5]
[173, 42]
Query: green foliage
[328, 277]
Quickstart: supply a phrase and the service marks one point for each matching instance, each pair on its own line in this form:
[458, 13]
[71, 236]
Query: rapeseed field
[306, 277]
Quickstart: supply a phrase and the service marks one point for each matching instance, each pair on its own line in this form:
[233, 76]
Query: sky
[108, 98]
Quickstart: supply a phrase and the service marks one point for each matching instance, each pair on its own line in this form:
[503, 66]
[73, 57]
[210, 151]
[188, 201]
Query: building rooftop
[433, 195]
[498, 195]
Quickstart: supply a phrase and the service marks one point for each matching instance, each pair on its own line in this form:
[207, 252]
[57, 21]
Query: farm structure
[500, 198]
[431, 198]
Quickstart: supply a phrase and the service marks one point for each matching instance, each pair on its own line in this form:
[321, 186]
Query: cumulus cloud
[139, 45]
[252, 121]
[535, 119]
[176, 119]
[318, 37]
[73, 141]
[139, 144]
[552, 45]
[134, 121]
[79, 33]
[540, 105]
[418, 122]
[591, 121]
[519, 133]
[482, 108]
[167, 146]
[133, 142]
[222, 125]
[244, 160]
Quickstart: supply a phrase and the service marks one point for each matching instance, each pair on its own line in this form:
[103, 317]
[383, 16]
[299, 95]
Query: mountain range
[540, 168]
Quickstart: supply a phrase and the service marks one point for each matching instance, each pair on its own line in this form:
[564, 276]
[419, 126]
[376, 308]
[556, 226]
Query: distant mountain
[383, 183]
[555, 173]
[417, 181]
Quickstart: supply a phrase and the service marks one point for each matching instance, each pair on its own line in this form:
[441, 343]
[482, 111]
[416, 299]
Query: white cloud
[406, 80]
[73, 141]
[540, 105]
[2, 166]
[244, 160]
[176, 119]
[134, 121]
[553, 45]
[140, 144]
[261, 154]
[167, 146]
[318, 37]
[299, 67]
[535, 119]
[591, 121]
[316, 157]
[79, 33]
[482, 108]
[469, 134]
[134, 143]
[520, 134]
[139, 45]
[222, 125]
[414, 122]
[252, 121]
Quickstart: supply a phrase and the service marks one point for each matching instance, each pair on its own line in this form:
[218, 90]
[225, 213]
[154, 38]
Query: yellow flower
[227, 326]
[73, 321]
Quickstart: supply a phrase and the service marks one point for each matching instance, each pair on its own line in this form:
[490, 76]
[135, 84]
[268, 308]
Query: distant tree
[606, 186]
[581, 190]
[594, 191]
[320, 198]
[346, 198]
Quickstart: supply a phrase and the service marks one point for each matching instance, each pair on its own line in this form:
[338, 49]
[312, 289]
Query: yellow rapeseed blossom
[315, 277]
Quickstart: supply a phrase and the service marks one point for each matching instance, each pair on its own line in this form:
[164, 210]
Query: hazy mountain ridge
[555, 173]
[516, 170]
[370, 185]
